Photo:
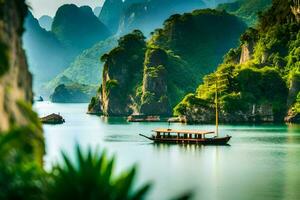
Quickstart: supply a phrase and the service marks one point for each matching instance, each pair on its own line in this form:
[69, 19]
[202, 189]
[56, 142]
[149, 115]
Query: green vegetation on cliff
[170, 65]
[261, 74]
[122, 73]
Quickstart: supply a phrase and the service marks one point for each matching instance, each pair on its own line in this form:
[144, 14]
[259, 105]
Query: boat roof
[195, 132]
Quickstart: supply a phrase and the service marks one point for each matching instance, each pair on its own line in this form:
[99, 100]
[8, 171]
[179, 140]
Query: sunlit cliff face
[15, 79]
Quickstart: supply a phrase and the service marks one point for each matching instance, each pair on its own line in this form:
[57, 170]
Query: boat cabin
[180, 134]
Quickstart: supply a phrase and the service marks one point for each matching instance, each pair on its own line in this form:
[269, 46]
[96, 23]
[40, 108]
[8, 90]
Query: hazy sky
[49, 7]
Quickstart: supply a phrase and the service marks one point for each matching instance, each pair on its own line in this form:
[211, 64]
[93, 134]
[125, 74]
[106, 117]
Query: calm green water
[262, 162]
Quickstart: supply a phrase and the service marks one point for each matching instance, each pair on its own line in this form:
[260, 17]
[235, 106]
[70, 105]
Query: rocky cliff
[122, 74]
[15, 80]
[264, 85]
[155, 88]
[169, 65]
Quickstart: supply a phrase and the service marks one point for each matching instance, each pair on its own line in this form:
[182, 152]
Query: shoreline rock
[53, 119]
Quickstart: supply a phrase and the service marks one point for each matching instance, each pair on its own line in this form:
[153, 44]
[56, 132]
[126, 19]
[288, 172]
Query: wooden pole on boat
[217, 113]
[217, 83]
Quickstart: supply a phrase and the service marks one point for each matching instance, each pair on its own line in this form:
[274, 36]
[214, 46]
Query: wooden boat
[192, 136]
[186, 137]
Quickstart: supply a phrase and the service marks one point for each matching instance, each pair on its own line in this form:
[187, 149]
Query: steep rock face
[95, 106]
[296, 10]
[294, 89]
[155, 89]
[15, 79]
[122, 73]
[17, 118]
[247, 52]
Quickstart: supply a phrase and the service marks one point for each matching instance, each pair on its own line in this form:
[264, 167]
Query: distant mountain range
[76, 37]
[73, 30]
[46, 54]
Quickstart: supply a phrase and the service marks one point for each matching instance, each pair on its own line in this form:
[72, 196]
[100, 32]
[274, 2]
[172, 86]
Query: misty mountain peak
[78, 27]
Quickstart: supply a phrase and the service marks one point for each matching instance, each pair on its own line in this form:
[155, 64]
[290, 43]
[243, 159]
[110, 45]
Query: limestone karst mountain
[154, 76]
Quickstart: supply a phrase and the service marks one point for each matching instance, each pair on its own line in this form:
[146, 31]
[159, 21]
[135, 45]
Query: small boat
[186, 137]
[192, 136]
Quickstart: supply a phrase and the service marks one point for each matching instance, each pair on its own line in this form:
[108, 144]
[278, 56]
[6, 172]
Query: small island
[53, 119]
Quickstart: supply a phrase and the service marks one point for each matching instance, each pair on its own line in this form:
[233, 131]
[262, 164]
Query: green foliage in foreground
[92, 177]
[21, 175]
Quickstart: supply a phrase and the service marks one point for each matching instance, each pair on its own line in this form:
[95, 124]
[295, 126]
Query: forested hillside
[260, 77]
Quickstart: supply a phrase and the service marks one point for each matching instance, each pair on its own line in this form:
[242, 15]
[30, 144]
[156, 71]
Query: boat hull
[204, 141]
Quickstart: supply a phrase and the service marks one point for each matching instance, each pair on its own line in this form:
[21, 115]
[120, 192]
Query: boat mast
[217, 83]
[217, 112]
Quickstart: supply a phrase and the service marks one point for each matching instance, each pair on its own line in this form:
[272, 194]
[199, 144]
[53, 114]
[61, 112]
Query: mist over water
[261, 162]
